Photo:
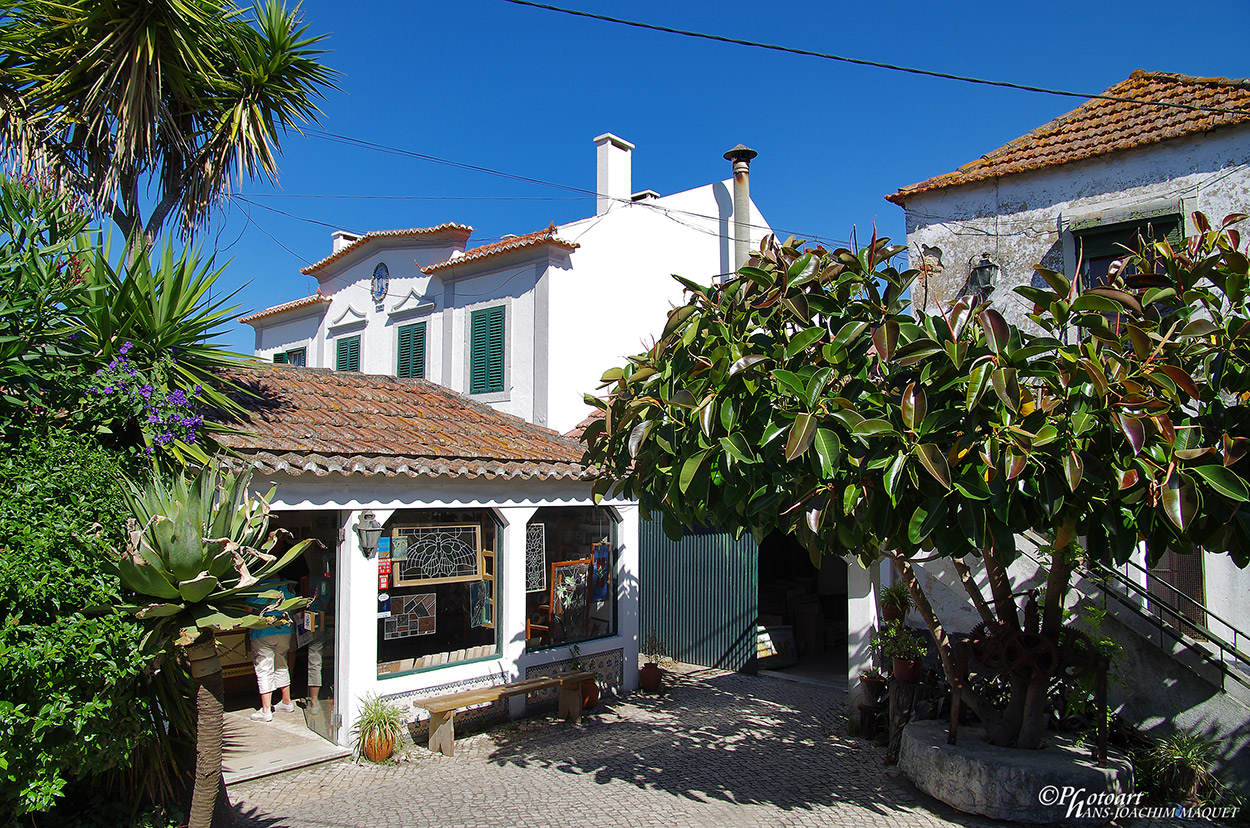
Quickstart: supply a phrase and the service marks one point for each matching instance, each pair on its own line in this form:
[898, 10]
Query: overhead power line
[893, 67]
[434, 159]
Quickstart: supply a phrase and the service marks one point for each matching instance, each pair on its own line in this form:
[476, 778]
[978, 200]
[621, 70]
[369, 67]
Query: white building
[1069, 195]
[527, 324]
[481, 515]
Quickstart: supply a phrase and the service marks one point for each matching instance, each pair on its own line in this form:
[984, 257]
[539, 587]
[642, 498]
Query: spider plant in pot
[378, 728]
[895, 603]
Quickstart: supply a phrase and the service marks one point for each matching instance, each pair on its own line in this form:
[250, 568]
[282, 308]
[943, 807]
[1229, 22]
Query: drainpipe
[741, 157]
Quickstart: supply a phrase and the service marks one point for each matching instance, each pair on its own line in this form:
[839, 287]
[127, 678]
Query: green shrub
[74, 703]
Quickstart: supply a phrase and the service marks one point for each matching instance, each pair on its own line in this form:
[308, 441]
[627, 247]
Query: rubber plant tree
[801, 394]
[198, 547]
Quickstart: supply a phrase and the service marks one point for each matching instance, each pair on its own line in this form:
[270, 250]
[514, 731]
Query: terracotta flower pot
[874, 685]
[378, 746]
[590, 694]
[650, 676]
[908, 672]
[889, 613]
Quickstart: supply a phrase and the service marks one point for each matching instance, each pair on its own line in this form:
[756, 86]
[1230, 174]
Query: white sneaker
[285, 707]
[262, 716]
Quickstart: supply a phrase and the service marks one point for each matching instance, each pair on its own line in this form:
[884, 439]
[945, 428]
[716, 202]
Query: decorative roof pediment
[413, 304]
[349, 316]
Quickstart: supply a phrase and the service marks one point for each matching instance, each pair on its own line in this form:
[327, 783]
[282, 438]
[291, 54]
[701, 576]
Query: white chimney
[613, 176]
[342, 238]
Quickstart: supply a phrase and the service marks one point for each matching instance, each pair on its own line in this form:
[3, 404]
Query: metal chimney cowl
[740, 156]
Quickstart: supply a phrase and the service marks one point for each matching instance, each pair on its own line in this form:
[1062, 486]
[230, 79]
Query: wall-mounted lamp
[983, 277]
[369, 531]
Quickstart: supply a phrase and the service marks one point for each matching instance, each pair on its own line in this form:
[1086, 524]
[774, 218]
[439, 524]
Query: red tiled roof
[580, 429]
[446, 228]
[316, 299]
[1100, 126]
[327, 422]
[541, 237]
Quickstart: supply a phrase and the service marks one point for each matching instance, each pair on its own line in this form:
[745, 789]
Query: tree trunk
[210, 806]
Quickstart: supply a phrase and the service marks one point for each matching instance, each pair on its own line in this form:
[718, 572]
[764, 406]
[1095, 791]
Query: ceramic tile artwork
[609, 665]
[411, 615]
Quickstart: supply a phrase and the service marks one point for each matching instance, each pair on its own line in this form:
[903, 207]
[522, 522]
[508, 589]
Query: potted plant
[874, 683]
[905, 651]
[895, 603]
[590, 686]
[650, 675]
[378, 727]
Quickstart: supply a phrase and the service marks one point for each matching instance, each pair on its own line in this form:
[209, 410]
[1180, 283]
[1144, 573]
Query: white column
[510, 593]
[627, 593]
[861, 617]
[356, 650]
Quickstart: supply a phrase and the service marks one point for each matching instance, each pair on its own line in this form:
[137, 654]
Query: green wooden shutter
[347, 354]
[486, 350]
[280, 358]
[411, 361]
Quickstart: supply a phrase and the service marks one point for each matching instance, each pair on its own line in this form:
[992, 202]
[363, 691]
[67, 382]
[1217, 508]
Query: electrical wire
[893, 67]
[434, 159]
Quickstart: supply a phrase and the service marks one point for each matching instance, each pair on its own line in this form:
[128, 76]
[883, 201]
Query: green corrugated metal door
[700, 596]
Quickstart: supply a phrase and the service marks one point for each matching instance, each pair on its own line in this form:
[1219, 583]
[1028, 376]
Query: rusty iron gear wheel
[987, 647]
[1030, 655]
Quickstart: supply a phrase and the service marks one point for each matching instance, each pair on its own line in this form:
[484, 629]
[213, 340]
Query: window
[486, 350]
[1099, 246]
[411, 361]
[437, 596]
[347, 353]
[570, 575]
[295, 356]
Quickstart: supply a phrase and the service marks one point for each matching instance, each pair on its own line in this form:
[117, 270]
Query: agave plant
[198, 548]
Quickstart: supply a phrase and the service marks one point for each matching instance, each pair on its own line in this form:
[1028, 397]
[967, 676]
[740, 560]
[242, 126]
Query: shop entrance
[803, 611]
[311, 658]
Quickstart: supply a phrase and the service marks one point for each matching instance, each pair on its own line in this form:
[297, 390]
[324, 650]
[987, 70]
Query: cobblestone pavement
[717, 749]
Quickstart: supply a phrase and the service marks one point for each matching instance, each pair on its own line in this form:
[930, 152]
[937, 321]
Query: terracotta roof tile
[316, 299]
[1100, 126]
[449, 228]
[327, 422]
[580, 429]
[541, 237]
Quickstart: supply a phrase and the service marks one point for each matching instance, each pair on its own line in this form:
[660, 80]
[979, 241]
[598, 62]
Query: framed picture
[439, 554]
[570, 598]
[601, 577]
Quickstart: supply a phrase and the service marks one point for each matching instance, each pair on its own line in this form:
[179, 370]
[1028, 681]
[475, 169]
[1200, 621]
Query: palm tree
[197, 549]
[164, 99]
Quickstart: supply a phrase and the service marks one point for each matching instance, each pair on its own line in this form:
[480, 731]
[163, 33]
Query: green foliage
[1178, 769]
[40, 278]
[801, 394]
[74, 703]
[122, 100]
[897, 596]
[379, 719]
[896, 641]
[197, 549]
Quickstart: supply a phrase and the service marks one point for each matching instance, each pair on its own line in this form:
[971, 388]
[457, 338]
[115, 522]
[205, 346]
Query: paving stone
[716, 750]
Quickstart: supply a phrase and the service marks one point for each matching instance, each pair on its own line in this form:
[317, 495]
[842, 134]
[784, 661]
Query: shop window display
[436, 589]
[570, 576]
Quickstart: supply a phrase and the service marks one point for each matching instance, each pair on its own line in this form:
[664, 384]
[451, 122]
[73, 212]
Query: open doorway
[803, 611]
[311, 656]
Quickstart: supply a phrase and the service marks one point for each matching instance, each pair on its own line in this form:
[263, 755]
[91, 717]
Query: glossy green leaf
[997, 331]
[925, 519]
[638, 435]
[801, 435]
[803, 340]
[978, 381]
[914, 406]
[1073, 470]
[690, 468]
[934, 461]
[1225, 482]
[828, 451]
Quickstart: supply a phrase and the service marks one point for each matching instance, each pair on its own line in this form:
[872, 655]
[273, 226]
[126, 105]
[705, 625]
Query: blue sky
[524, 91]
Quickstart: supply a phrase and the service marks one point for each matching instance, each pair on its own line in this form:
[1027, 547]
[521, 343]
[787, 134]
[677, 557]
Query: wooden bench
[443, 708]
